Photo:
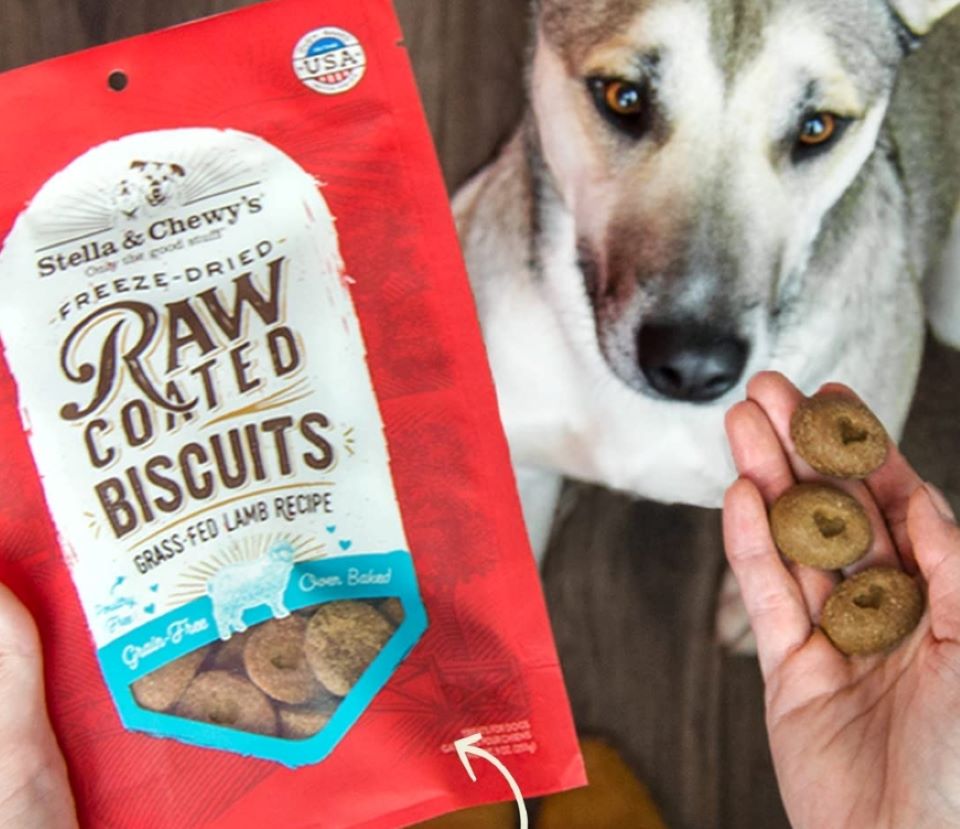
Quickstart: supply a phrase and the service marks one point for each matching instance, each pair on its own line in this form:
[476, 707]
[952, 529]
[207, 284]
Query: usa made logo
[329, 60]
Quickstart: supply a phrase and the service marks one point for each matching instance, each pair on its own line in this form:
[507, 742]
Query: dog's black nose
[691, 362]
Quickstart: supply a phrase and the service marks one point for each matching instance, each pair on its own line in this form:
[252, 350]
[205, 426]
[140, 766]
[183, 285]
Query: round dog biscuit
[274, 661]
[159, 690]
[222, 698]
[839, 436]
[820, 526]
[393, 609]
[302, 722]
[228, 656]
[872, 611]
[343, 638]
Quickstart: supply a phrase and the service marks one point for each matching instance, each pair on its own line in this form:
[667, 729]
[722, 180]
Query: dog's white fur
[565, 411]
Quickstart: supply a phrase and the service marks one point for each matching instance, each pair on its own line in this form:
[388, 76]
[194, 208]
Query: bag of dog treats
[255, 489]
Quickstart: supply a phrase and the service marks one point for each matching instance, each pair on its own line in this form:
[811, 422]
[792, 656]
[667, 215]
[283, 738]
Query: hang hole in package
[242, 369]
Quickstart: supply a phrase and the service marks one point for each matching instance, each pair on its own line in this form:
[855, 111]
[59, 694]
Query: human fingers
[757, 452]
[936, 544]
[760, 457]
[779, 398]
[34, 789]
[772, 597]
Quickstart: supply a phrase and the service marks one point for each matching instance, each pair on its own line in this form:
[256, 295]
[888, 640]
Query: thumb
[935, 536]
[21, 670]
[34, 790]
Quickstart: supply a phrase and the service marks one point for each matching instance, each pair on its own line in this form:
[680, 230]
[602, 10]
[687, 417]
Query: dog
[700, 190]
[150, 186]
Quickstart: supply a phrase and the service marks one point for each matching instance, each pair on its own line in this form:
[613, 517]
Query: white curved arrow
[467, 746]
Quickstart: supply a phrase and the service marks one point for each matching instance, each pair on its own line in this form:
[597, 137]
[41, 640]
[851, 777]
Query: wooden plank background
[632, 586]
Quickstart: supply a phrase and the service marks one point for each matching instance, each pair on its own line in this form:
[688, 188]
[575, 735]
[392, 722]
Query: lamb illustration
[247, 584]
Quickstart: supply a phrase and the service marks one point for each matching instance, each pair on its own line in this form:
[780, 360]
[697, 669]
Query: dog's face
[150, 185]
[157, 180]
[700, 146]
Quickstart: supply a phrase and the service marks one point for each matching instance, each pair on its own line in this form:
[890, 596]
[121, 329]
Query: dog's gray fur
[576, 238]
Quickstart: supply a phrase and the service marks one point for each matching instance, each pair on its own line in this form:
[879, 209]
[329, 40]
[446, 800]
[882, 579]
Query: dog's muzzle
[691, 362]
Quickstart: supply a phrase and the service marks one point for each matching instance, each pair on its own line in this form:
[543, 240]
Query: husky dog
[703, 189]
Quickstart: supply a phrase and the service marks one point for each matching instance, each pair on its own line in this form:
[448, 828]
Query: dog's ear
[177, 170]
[920, 16]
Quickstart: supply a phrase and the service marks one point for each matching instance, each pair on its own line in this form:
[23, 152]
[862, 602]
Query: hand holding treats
[872, 735]
[821, 526]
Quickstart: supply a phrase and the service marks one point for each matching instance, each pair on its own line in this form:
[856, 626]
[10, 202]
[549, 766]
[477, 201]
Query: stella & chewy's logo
[329, 60]
[148, 210]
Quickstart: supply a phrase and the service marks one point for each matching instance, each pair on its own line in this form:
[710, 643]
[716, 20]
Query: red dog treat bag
[256, 490]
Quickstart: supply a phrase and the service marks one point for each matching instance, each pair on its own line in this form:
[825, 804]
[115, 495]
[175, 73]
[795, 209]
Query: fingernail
[940, 503]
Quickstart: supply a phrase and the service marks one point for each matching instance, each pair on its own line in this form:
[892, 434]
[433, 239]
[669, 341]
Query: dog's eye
[818, 132]
[623, 98]
[818, 128]
[624, 104]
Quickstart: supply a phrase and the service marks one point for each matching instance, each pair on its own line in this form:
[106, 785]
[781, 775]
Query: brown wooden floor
[631, 586]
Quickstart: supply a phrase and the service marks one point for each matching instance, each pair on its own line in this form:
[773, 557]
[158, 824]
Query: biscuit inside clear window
[283, 677]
